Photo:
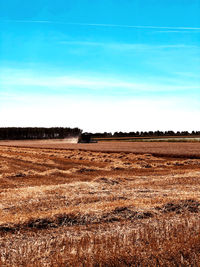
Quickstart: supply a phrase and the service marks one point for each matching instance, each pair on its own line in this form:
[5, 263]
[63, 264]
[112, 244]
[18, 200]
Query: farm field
[150, 139]
[171, 149]
[104, 204]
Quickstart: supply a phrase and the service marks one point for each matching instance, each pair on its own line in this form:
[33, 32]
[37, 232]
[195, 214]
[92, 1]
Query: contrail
[104, 25]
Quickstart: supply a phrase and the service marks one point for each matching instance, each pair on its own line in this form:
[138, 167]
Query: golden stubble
[73, 207]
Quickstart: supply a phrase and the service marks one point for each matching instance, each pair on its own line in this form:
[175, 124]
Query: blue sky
[100, 65]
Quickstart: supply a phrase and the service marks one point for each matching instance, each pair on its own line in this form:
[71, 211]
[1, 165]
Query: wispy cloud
[106, 25]
[189, 75]
[172, 31]
[90, 84]
[126, 46]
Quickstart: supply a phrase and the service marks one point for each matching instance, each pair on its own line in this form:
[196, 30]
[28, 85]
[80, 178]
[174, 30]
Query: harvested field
[185, 149]
[107, 204]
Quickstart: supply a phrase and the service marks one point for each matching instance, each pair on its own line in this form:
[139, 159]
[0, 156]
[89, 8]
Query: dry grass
[93, 208]
[176, 149]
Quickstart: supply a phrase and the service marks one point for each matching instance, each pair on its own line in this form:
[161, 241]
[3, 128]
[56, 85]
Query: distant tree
[12, 133]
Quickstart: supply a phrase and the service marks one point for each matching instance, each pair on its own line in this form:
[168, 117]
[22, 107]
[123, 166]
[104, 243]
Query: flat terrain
[107, 204]
[189, 138]
[185, 149]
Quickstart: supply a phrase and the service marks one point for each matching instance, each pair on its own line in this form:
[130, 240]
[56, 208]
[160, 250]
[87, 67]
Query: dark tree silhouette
[15, 133]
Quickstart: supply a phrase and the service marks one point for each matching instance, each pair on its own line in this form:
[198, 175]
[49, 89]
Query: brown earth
[109, 204]
[179, 149]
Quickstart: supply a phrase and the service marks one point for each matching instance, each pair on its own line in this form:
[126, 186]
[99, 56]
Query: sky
[100, 65]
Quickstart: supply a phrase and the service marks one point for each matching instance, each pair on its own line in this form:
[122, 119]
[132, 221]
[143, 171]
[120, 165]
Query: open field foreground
[118, 205]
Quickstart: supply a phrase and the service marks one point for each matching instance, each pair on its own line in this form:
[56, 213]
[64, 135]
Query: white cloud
[97, 113]
[14, 79]
[93, 114]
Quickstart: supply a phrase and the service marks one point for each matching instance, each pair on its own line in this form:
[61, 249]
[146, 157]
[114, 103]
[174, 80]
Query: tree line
[142, 134]
[19, 133]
